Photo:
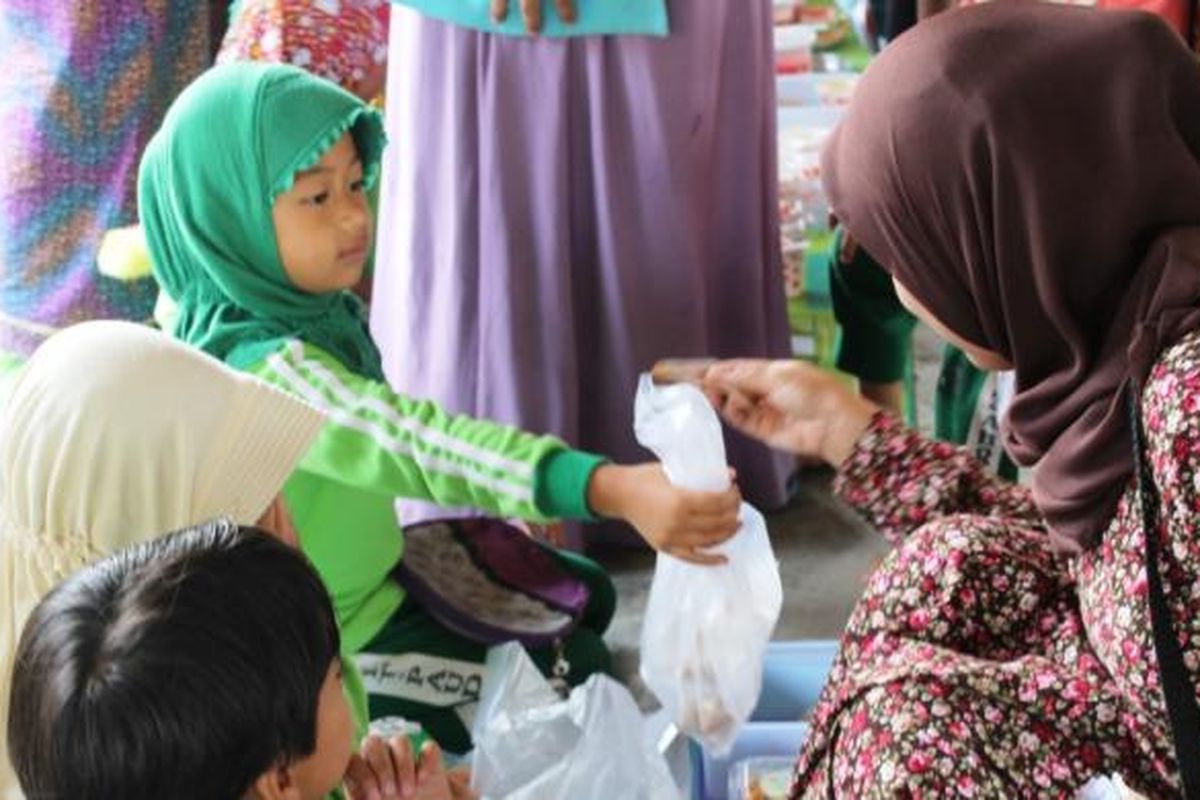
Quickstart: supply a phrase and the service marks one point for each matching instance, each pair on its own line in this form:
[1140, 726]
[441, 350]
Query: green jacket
[379, 445]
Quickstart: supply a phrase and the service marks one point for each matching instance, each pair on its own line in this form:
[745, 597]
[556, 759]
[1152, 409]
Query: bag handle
[1180, 693]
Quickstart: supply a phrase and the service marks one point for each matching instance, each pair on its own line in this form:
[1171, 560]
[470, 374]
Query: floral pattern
[980, 663]
[339, 40]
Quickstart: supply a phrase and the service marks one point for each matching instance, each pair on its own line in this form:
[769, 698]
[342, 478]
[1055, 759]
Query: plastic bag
[531, 745]
[706, 629]
[1106, 788]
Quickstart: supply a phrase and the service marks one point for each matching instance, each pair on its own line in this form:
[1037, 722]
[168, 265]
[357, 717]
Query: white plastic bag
[706, 629]
[1107, 788]
[530, 745]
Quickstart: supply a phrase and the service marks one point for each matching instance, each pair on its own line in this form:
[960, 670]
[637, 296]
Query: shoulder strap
[1183, 714]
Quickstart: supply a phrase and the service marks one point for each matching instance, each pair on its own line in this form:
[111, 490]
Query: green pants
[433, 675]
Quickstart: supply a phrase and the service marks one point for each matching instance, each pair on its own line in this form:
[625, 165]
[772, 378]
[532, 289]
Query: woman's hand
[387, 769]
[790, 405]
[673, 520]
[532, 11]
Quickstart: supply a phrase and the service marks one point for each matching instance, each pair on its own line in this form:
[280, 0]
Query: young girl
[252, 200]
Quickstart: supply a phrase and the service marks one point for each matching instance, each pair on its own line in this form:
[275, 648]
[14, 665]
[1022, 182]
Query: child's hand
[673, 520]
[389, 770]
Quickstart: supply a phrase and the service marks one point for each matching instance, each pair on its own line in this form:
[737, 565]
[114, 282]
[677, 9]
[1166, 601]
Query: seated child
[202, 664]
[252, 199]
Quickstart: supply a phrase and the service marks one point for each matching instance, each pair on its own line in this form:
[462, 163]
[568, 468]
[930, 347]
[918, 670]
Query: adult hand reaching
[790, 405]
[531, 10]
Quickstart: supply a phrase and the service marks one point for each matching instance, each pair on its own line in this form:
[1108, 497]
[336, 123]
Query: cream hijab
[112, 434]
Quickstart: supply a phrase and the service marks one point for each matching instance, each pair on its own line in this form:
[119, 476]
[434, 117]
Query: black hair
[181, 668]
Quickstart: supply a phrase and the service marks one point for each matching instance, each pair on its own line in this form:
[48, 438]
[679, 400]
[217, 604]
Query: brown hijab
[1031, 174]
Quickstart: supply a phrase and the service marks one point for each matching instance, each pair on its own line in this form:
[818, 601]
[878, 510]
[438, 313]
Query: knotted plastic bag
[706, 628]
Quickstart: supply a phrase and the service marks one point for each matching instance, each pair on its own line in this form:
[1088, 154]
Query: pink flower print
[918, 763]
[918, 620]
[1077, 690]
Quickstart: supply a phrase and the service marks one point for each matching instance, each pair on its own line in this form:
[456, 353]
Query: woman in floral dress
[1030, 176]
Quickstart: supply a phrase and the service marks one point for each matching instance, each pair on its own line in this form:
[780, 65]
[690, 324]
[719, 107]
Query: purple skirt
[558, 215]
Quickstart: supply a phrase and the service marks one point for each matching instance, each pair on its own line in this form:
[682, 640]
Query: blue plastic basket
[793, 675]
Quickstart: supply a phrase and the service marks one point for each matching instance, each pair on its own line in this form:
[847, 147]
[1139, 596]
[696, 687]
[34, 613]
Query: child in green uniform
[876, 347]
[252, 198]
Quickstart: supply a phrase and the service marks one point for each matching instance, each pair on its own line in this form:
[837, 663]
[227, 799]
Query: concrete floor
[825, 553]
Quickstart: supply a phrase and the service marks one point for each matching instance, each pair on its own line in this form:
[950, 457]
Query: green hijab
[230, 144]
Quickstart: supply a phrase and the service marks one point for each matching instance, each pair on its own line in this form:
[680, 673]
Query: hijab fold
[1031, 174]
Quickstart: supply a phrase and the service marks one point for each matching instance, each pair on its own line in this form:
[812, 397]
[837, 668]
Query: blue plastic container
[793, 675]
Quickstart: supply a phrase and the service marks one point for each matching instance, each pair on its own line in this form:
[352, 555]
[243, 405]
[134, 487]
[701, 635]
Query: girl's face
[983, 358]
[323, 223]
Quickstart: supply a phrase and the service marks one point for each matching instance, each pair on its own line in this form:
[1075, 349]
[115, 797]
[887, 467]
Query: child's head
[252, 199]
[344, 41]
[203, 664]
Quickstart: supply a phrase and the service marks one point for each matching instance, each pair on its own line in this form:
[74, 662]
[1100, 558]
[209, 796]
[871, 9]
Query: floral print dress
[980, 663]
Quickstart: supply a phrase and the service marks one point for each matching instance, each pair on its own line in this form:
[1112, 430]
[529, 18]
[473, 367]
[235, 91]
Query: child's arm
[382, 441]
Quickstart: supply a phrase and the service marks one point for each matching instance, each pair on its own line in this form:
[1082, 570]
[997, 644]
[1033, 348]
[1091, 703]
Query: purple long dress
[556, 215]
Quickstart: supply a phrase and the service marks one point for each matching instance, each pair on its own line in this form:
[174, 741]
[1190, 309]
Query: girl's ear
[277, 783]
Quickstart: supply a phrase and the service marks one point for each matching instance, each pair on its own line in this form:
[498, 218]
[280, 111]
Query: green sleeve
[381, 441]
[877, 331]
[959, 385]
